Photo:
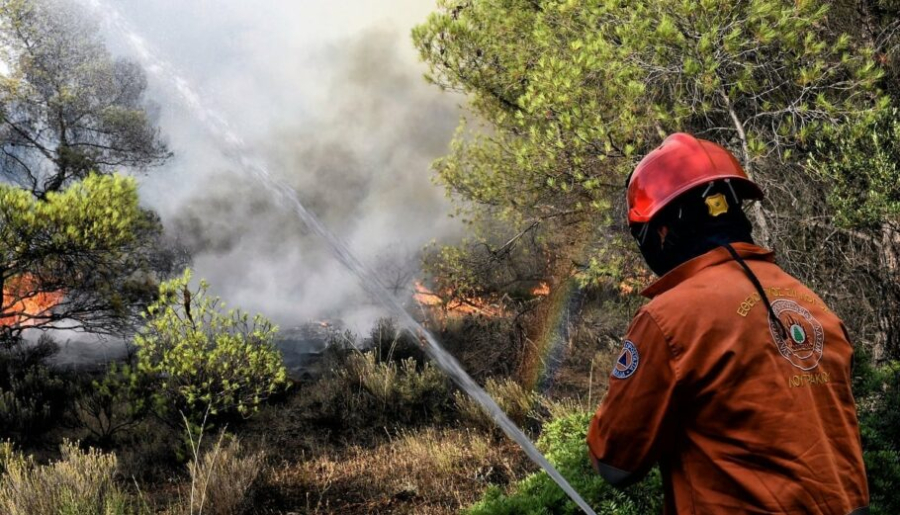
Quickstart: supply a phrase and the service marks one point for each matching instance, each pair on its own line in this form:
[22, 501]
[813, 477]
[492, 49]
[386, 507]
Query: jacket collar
[714, 257]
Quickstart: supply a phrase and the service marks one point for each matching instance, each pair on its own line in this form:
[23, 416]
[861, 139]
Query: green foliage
[563, 442]
[569, 94]
[573, 90]
[880, 427]
[80, 483]
[862, 169]
[83, 242]
[96, 214]
[199, 359]
[884, 475]
[114, 403]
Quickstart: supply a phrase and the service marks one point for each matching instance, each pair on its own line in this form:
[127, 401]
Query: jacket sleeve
[627, 433]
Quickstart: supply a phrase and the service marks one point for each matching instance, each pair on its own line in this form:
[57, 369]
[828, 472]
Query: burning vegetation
[26, 303]
[449, 305]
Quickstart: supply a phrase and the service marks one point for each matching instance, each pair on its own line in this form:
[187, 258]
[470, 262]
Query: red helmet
[682, 162]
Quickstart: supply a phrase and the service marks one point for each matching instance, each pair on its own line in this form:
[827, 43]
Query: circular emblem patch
[627, 362]
[805, 341]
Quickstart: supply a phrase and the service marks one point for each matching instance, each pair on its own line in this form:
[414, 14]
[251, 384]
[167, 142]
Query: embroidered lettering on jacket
[804, 343]
[790, 293]
[808, 379]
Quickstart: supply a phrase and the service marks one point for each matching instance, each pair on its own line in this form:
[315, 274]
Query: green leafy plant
[86, 245]
[407, 391]
[861, 165]
[563, 442]
[197, 359]
[880, 426]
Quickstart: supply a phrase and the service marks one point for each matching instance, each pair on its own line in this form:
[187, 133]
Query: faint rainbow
[552, 334]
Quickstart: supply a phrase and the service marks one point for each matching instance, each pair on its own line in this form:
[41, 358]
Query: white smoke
[333, 96]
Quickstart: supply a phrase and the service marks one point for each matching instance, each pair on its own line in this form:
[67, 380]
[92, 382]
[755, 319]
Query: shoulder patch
[627, 362]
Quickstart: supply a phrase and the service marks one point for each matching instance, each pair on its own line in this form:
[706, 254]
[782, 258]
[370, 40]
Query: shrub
[517, 402]
[563, 442]
[884, 477]
[485, 347]
[394, 344]
[402, 390]
[80, 483]
[33, 398]
[112, 404]
[360, 392]
[222, 478]
[880, 426]
[203, 360]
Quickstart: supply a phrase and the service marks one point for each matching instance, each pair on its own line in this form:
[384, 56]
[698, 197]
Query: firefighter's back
[766, 418]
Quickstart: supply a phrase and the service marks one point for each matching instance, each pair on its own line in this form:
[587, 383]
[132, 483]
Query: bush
[485, 347]
[110, 405]
[194, 358]
[80, 483]
[880, 426]
[517, 402]
[33, 398]
[362, 393]
[884, 478]
[563, 442]
[393, 344]
[401, 390]
[222, 478]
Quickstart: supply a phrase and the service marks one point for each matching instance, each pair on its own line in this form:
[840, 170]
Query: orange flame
[455, 307]
[425, 297]
[637, 282]
[24, 300]
[541, 290]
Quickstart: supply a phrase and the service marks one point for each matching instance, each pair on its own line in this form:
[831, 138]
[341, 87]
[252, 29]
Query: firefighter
[734, 377]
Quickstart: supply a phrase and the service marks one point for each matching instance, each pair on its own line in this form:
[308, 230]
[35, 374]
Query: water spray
[234, 147]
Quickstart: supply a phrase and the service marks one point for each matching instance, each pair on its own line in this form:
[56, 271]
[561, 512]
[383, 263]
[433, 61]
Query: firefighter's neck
[676, 248]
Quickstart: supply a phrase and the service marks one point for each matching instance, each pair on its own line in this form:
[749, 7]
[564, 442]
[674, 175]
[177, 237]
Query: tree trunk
[887, 341]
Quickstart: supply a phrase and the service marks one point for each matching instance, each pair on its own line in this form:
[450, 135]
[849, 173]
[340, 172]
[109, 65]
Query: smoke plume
[345, 118]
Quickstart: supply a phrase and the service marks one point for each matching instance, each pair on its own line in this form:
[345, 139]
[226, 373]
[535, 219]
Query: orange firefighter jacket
[742, 418]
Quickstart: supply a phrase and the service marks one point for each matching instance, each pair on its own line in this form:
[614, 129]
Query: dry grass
[222, 478]
[397, 385]
[79, 483]
[427, 472]
[517, 402]
[366, 393]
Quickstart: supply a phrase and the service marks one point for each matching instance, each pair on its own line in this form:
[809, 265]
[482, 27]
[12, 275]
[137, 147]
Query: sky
[332, 96]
